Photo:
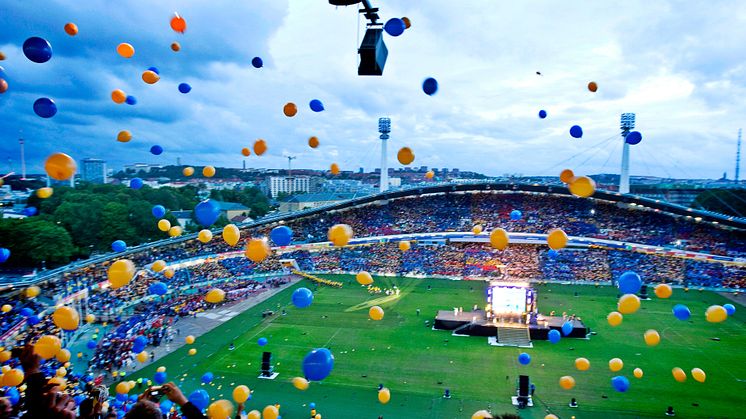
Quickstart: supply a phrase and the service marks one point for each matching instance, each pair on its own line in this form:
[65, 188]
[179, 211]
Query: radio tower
[23, 160]
[738, 155]
[384, 127]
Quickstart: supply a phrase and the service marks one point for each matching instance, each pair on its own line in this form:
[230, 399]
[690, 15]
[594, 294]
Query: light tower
[290, 165]
[384, 127]
[23, 160]
[738, 156]
[627, 124]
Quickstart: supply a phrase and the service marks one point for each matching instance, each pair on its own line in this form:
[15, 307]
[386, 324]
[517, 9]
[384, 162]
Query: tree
[33, 241]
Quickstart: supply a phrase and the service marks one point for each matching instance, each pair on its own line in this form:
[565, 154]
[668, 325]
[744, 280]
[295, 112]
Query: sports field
[417, 363]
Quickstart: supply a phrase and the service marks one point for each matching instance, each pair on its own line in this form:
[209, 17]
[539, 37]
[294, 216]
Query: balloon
[384, 395]
[13, 377]
[25, 312]
[405, 156]
[120, 273]
[524, 358]
[3, 85]
[150, 77]
[207, 212]
[557, 239]
[313, 142]
[160, 377]
[394, 26]
[91, 344]
[90, 318]
[633, 138]
[254, 414]
[554, 336]
[208, 171]
[261, 341]
[63, 356]
[499, 239]
[71, 29]
[340, 234]
[164, 225]
[582, 364]
[592, 86]
[616, 364]
[142, 357]
[334, 169]
[552, 254]
[33, 320]
[154, 70]
[567, 382]
[37, 49]
[215, 295]
[200, 399]
[6, 307]
[730, 309]
[139, 343]
[178, 24]
[47, 346]
[404, 245]
[663, 291]
[188, 171]
[628, 304]
[620, 383]
[681, 312]
[13, 396]
[204, 236]
[270, 412]
[582, 186]
[614, 318]
[542, 114]
[429, 174]
[290, 109]
[376, 313]
[678, 374]
[125, 50]
[45, 107]
[123, 388]
[477, 229]
[156, 150]
[637, 373]
[158, 288]
[66, 318]
[257, 62]
[629, 283]
[576, 131]
[407, 22]
[364, 278]
[567, 328]
[482, 414]
[566, 176]
[246, 152]
[136, 183]
[29, 211]
[130, 100]
[257, 250]
[189, 339]
[302, 297]
[192, 351]
[699, 375]
[32, 291]
[158, 211]
[430, 86]
[119, 246]
[184, 88]
[652, 338]
[169, 273]
[515, 215]
[260, 147]
[231, 234]
[316, 105]
[281, 236]
[716, 314]
[300, 383]
[175, 47]
[318, 364]
[241, 394]
[166, 406]
[207, 377]
[118, 96]
[124, 136]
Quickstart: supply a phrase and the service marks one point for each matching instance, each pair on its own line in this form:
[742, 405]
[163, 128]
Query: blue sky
[679, 65]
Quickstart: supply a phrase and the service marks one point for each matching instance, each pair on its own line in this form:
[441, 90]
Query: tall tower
[23, 160]
[384, 127]
[738, 155]
[627, 124]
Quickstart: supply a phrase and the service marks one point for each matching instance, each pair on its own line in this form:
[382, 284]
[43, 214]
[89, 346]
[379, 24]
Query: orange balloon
[340, 234]
[71, 29]
[290, 109]
[407, 22]
[60, 166]
[246, 152]
[628, 304]
[678, 374]
[477, 229]
[582, 364]
[615, 318]
[313, 142]
[175, 47]
[208, 171]
[150, 77]
[188, 171]
[499, 239]
[178, 24]
[257, 250]
[118, 96]
[430, 174]
[3, 86]
[125, 50]
[663, 291]
[376, 313]
[260, 147]
[364, 278]
[557, 239]
[616, 364]
[567, 382]
[334, 168]
[405, 156]
[566, 175]
[592, 86]
[652, 338]
[404, 246]
[124, 136]
[582, 186]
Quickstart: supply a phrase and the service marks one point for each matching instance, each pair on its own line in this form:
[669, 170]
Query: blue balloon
[132, 397]
[156, 150]
[79, 399]
[394, 26]
[318, 364]
[122, 397]
[119, 246]
[262, 341]
[160, 377]
[207, 377]
[430, 86]
[45, 107]
[25, 312]
[730, 309]
[185, 88]
[166, 406]
[629, 283]
[131, 100]
[154, 70]
[207, 212]
[29, 211]
[32, 320]
[316, 105]
[633, 138]
[13, 395]
[516, 215]
[552, 254]
[37, 49]
[91, 344]
[554, 336]
[281, 236]
[524, 358]
[576, 131]
[542, 114]
[620, 383]
[136, 183]
[158, 211]
[4, 254]
[567, 328]
[139, 343]
[257, 62]
[312, 405]
[200, 399]
[158, 288]
[681, 312]
[302, 297]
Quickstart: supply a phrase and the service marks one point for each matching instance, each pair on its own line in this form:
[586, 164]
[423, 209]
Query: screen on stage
[507, 299]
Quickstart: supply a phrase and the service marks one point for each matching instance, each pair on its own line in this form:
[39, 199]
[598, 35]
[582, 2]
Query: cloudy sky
[679, 65]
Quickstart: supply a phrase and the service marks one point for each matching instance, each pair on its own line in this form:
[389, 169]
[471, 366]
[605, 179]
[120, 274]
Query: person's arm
[35, 381]
[239, 410]
[189, 410]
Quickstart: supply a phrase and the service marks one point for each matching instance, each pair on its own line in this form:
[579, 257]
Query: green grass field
[417, 363]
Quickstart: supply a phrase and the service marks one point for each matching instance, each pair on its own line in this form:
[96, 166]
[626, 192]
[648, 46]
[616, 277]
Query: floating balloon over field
[394, 26]
[63, 356]
[160, 377]
[384, 395]
[3, 86]
[270, 412]
[231, 234]
[4, 256]
[158, 288]
[300, 383]
[430, 86]
[554, 336]
[404, 245]
[257, 62]
[524, 358]
[375, 313]
[730, 309]
[637, 372]
[142, 357]
[652, 338]
[681, 312]
[429, 175]
[567, 328]
[174, 231]
[158, 211]
[125, 50]
[582, 364]
[118, 96]
[200, 399]
[499, 239]
[281, 235]
[629, 283]
[557, 239]
[407, 22]
[189, 339]
[192, 352]
[175, 47]
[48, 346]
[150, 77]
[516, 215]
[334, 169]
[582, 186]
[340, 234]
[207, 377]
[215, 295]
[699, 375]
[313, 142]
[483, 414]
[628, 304]
[120, 273]
[156, 150]
[576, 131]
[188, 171]
[245, 152]
[262, 341]
[260, 147]
[477, 229]
[716, 314]
[620, 383]
[318, 364]
[66, 318]
[38, 50]
[567, 382]
[302, 297]
[678, 374]
[207, 212]
[241, 394]
[616, 364]
[119, 246]
[130, 100]
[257, 250]
[364, 278]
[663, 291]
[45, 107]
[566, 176]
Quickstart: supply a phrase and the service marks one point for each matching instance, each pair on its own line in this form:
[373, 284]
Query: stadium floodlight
[384, 128]
[627, 124]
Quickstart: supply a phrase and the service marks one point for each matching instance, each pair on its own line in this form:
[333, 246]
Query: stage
[475, 323]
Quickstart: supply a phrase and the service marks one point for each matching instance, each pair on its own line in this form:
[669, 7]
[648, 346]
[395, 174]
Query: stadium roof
[231, 206]
[320, 197]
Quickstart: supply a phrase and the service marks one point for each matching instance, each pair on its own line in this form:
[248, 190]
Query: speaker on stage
[373, 53]
[266, 364]
[523, 386]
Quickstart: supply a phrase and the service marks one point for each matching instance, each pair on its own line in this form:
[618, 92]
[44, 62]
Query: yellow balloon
[120, 273]
[90, 318]
[628, 304]
[257, 250]
[616, 364]
[340, 234]
[499, 239]
[550, 416]
[384, 395]
[44, 193]
[231, 234]
[13, 378]
[160, 369]
[404, 246]
[5, 368]
[59, 382]
[334, 169]
[567, 382]
[61, 372]
[663, 291]
[429, 174]
[63, 356]
[204, 235]
[254, 414]
[678, 374]
[208, 171]
[582, 186]
[699, 375]
[652, 338]
[6, 308]
[477, 229]
[557, 239]
[375, 313]
[164, 225]
[192, 351]
[300, 383]
[47, 346]
[169, 272]
[364, 278]
[270, 412]
[142, 356]
[637, 373]
[241, 394]
[32, 291]
[220, 409]
[158, 266]
[215, 296]
[174, 231]
[716, 314]
[66, 318]
[582, 364]
[4, 356]
[481, 414]
[614, 318]
[188, 171]
[189, 340]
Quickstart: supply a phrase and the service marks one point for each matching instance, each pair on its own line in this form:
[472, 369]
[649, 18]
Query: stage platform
[475, 323]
